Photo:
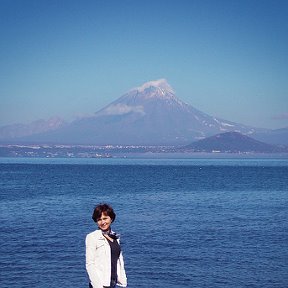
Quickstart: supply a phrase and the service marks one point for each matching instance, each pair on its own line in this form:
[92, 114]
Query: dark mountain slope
[232, 142]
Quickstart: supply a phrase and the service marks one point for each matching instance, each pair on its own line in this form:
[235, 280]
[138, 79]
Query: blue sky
[67, 58]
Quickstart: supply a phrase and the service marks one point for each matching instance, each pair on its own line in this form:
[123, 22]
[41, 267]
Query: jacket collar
[100, 235]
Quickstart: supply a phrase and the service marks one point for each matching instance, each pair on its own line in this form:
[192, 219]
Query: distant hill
[18, 131]
[232, 142]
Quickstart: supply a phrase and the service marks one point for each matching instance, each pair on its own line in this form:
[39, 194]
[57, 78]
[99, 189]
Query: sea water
[183, 222]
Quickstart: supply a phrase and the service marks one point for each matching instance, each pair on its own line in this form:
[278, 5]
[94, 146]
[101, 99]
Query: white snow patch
[227, 124]
[223, 124]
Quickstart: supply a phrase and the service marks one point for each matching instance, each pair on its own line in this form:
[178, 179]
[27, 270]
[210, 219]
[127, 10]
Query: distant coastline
[80, 151]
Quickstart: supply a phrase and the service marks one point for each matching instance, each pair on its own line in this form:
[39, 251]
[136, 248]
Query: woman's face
[104, 222]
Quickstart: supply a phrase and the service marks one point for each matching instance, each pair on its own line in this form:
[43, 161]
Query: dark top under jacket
[115, 253]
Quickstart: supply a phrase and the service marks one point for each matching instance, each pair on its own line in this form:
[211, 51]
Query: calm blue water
[184, 223]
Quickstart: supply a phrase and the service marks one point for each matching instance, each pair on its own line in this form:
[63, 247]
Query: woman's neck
[107, 232]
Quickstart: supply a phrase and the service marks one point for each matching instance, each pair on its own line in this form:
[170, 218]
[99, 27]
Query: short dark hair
[103, 208]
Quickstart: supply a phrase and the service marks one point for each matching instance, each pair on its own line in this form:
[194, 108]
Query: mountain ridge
[18, 130]
[150, 114]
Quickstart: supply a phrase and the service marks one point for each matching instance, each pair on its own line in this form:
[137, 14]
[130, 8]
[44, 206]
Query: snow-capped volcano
[138, 98]
[147, 115]
[153, 114]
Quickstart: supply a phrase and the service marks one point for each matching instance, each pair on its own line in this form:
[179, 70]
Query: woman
[104, 260]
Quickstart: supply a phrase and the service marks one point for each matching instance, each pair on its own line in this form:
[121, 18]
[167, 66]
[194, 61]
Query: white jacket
[98, 261]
